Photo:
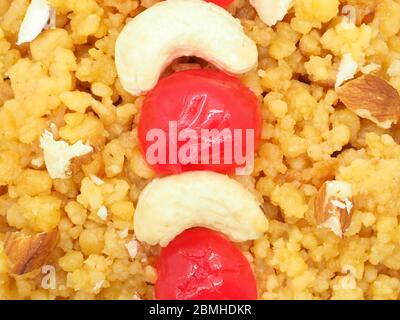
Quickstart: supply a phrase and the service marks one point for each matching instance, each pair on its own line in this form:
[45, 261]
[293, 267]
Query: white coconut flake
[132, 247]
[347, 69]
[58, 154]
[369, 68]
[271, 11]
[123, 233]
[102, 213]
[394, 69]
[35, 20]
[97, 181]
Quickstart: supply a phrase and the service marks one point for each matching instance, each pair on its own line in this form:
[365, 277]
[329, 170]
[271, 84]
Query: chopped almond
[35, 21]
[58, 154]
[366, 11]
[347, 69]
[372, 98]
[29, 252]
[370, 68]
[334, 206]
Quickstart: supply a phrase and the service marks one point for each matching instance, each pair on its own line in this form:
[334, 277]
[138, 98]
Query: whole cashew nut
[170, 205]
[176, 28]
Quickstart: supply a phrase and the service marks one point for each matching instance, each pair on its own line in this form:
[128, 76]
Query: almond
[372, 98]
[347, 69]
[334, 206]
[29, 252]
[362, 11]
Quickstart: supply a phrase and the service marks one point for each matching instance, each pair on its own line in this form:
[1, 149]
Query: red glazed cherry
[221, 3]
[189, 102]
[200, 264]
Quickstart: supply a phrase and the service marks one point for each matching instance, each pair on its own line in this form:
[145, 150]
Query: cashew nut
[271, 11]
[170, 205]
[176, 28]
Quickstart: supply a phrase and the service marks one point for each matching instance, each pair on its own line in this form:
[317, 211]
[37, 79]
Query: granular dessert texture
[65, 81]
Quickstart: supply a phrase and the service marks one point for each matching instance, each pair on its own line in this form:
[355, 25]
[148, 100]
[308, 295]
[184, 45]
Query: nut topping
[29, 252]
[178, 28]
[334, 206]
[271, 11]
[170, 205]
[372, 98]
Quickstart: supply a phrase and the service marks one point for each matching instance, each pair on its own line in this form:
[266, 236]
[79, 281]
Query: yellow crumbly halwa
[65, 81]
